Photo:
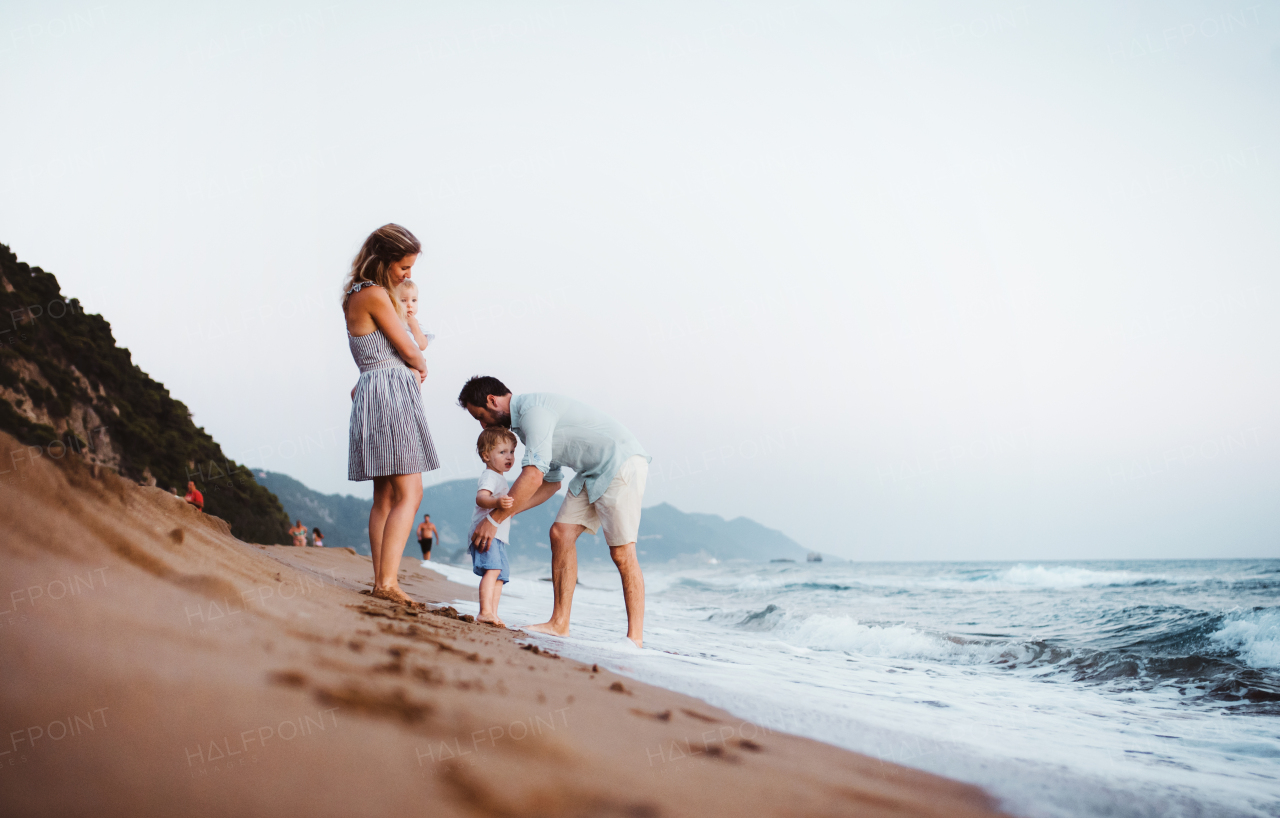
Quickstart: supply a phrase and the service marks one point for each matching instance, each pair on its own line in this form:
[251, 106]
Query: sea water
[1063, 689]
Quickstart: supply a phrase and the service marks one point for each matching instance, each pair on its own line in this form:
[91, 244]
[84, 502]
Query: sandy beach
[156, 665]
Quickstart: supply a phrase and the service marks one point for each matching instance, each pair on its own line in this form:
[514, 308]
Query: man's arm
[526, 485]
[545, 492]
[528, 491]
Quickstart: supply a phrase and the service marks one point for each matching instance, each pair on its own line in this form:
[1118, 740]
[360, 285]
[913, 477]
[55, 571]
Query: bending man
[610, 468]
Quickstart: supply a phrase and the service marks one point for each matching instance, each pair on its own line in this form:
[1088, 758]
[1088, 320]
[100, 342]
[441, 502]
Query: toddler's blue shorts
[495, 557]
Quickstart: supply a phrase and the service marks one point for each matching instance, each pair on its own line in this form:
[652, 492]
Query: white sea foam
[886, 669]
[1066, 576]
[1254, 635]
[822, 632]
[1012, 578]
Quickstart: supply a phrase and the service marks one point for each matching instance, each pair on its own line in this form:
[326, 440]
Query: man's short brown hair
[476, 391]
[491, 437]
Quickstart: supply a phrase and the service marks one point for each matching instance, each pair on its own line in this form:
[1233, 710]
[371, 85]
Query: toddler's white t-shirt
[496, 485]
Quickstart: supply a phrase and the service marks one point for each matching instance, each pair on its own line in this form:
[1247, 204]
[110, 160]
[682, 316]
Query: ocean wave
[1208, 656]
[755, 582]
[1018, 577]
[843, 633]
[1066, 576]
[763, 620]
[1211, 658]
[1254, 636]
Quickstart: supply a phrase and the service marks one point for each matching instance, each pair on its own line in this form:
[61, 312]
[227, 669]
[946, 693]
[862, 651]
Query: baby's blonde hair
[406, 286]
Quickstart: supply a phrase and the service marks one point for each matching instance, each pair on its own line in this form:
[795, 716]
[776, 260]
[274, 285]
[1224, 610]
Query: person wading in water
[426, 535]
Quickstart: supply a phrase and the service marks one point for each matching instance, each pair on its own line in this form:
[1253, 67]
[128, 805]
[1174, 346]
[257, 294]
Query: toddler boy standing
[497, 448]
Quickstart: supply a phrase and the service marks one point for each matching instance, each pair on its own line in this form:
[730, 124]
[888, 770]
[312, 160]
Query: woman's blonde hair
[384, 247]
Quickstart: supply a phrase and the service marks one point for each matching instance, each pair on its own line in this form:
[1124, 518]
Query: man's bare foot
[547, 628]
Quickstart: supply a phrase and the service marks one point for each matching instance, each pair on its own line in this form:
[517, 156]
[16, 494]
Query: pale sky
[904, 280]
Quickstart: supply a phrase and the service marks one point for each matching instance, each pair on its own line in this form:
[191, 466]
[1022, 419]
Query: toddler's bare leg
[488, 600]
[497, 597]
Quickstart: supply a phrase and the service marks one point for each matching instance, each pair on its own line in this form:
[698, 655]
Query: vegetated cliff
[67, 389]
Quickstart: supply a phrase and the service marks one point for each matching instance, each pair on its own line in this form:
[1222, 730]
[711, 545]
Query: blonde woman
[390, 443]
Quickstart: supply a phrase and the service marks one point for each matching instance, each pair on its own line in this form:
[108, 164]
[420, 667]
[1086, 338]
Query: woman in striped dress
[390, 443]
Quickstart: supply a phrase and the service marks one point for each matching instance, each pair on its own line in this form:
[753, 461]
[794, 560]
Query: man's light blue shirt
[558, 431]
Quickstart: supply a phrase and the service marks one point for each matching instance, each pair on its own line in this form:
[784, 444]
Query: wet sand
[156, 665]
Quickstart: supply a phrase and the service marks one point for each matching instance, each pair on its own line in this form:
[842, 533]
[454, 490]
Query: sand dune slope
[155, 665]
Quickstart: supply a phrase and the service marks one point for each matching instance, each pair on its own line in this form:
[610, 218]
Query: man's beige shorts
[618, 509]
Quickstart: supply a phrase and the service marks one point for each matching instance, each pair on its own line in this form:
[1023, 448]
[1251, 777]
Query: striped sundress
[389, 433]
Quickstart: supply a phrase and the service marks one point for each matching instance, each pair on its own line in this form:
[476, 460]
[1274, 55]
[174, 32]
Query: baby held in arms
[497, 448]
[407, 295]
[407, 292]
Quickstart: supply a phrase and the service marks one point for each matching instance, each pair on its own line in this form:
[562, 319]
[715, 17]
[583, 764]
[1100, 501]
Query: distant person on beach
[299, 534]
[194, 497]
[426, 535]
[610, 469]
[317, 538]
[497, 448]
[389, 441]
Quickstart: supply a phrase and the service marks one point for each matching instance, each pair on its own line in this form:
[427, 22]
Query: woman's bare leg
[383, 494]
[406, 496]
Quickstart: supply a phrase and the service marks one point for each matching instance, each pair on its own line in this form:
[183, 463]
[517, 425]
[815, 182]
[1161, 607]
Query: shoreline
[155, 664]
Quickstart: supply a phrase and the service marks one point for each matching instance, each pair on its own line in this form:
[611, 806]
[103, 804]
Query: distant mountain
[666, 533]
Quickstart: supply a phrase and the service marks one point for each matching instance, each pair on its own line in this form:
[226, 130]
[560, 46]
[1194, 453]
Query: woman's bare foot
[393, 593]
[491, 620]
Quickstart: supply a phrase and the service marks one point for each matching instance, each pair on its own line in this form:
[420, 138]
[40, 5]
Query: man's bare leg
[564, 577]
[624, 556]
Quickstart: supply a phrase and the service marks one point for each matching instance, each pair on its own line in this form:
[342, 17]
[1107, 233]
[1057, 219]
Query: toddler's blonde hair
[406, 286]
[491, 437]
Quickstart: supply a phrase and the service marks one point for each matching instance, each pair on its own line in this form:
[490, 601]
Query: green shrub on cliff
[152, 432]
